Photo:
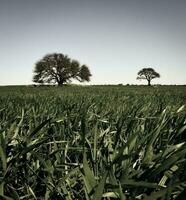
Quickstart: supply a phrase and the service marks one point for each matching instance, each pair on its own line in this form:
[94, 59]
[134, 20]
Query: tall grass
[92, 143]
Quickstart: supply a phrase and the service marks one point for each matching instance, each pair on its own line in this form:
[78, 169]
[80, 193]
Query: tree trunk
[60, 83]
[149, 83]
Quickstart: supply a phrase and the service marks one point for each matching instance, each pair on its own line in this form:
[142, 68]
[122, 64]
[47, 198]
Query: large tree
[60, 69]
[148, 74]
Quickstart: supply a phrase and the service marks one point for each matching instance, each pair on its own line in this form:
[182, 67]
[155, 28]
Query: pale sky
[115, 38]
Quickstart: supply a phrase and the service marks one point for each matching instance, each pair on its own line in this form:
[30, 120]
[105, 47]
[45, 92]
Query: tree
[148, 74]
[60, 69]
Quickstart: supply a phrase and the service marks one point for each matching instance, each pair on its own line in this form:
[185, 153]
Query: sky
[115, 38]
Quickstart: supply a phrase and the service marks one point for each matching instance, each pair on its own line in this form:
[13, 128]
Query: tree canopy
[60, 69]
[148, 74]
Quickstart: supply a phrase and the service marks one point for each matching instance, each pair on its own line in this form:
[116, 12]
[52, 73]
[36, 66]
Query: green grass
[93, 142]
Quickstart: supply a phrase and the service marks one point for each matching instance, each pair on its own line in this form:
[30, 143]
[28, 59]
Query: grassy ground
[93, 142]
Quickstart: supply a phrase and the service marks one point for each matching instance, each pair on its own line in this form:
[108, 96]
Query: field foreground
[93, 142]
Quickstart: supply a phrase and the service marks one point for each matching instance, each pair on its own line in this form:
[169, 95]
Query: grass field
[93, 142]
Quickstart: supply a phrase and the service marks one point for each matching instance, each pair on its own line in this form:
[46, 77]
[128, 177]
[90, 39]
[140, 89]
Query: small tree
[148, 74]
[60, 69]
